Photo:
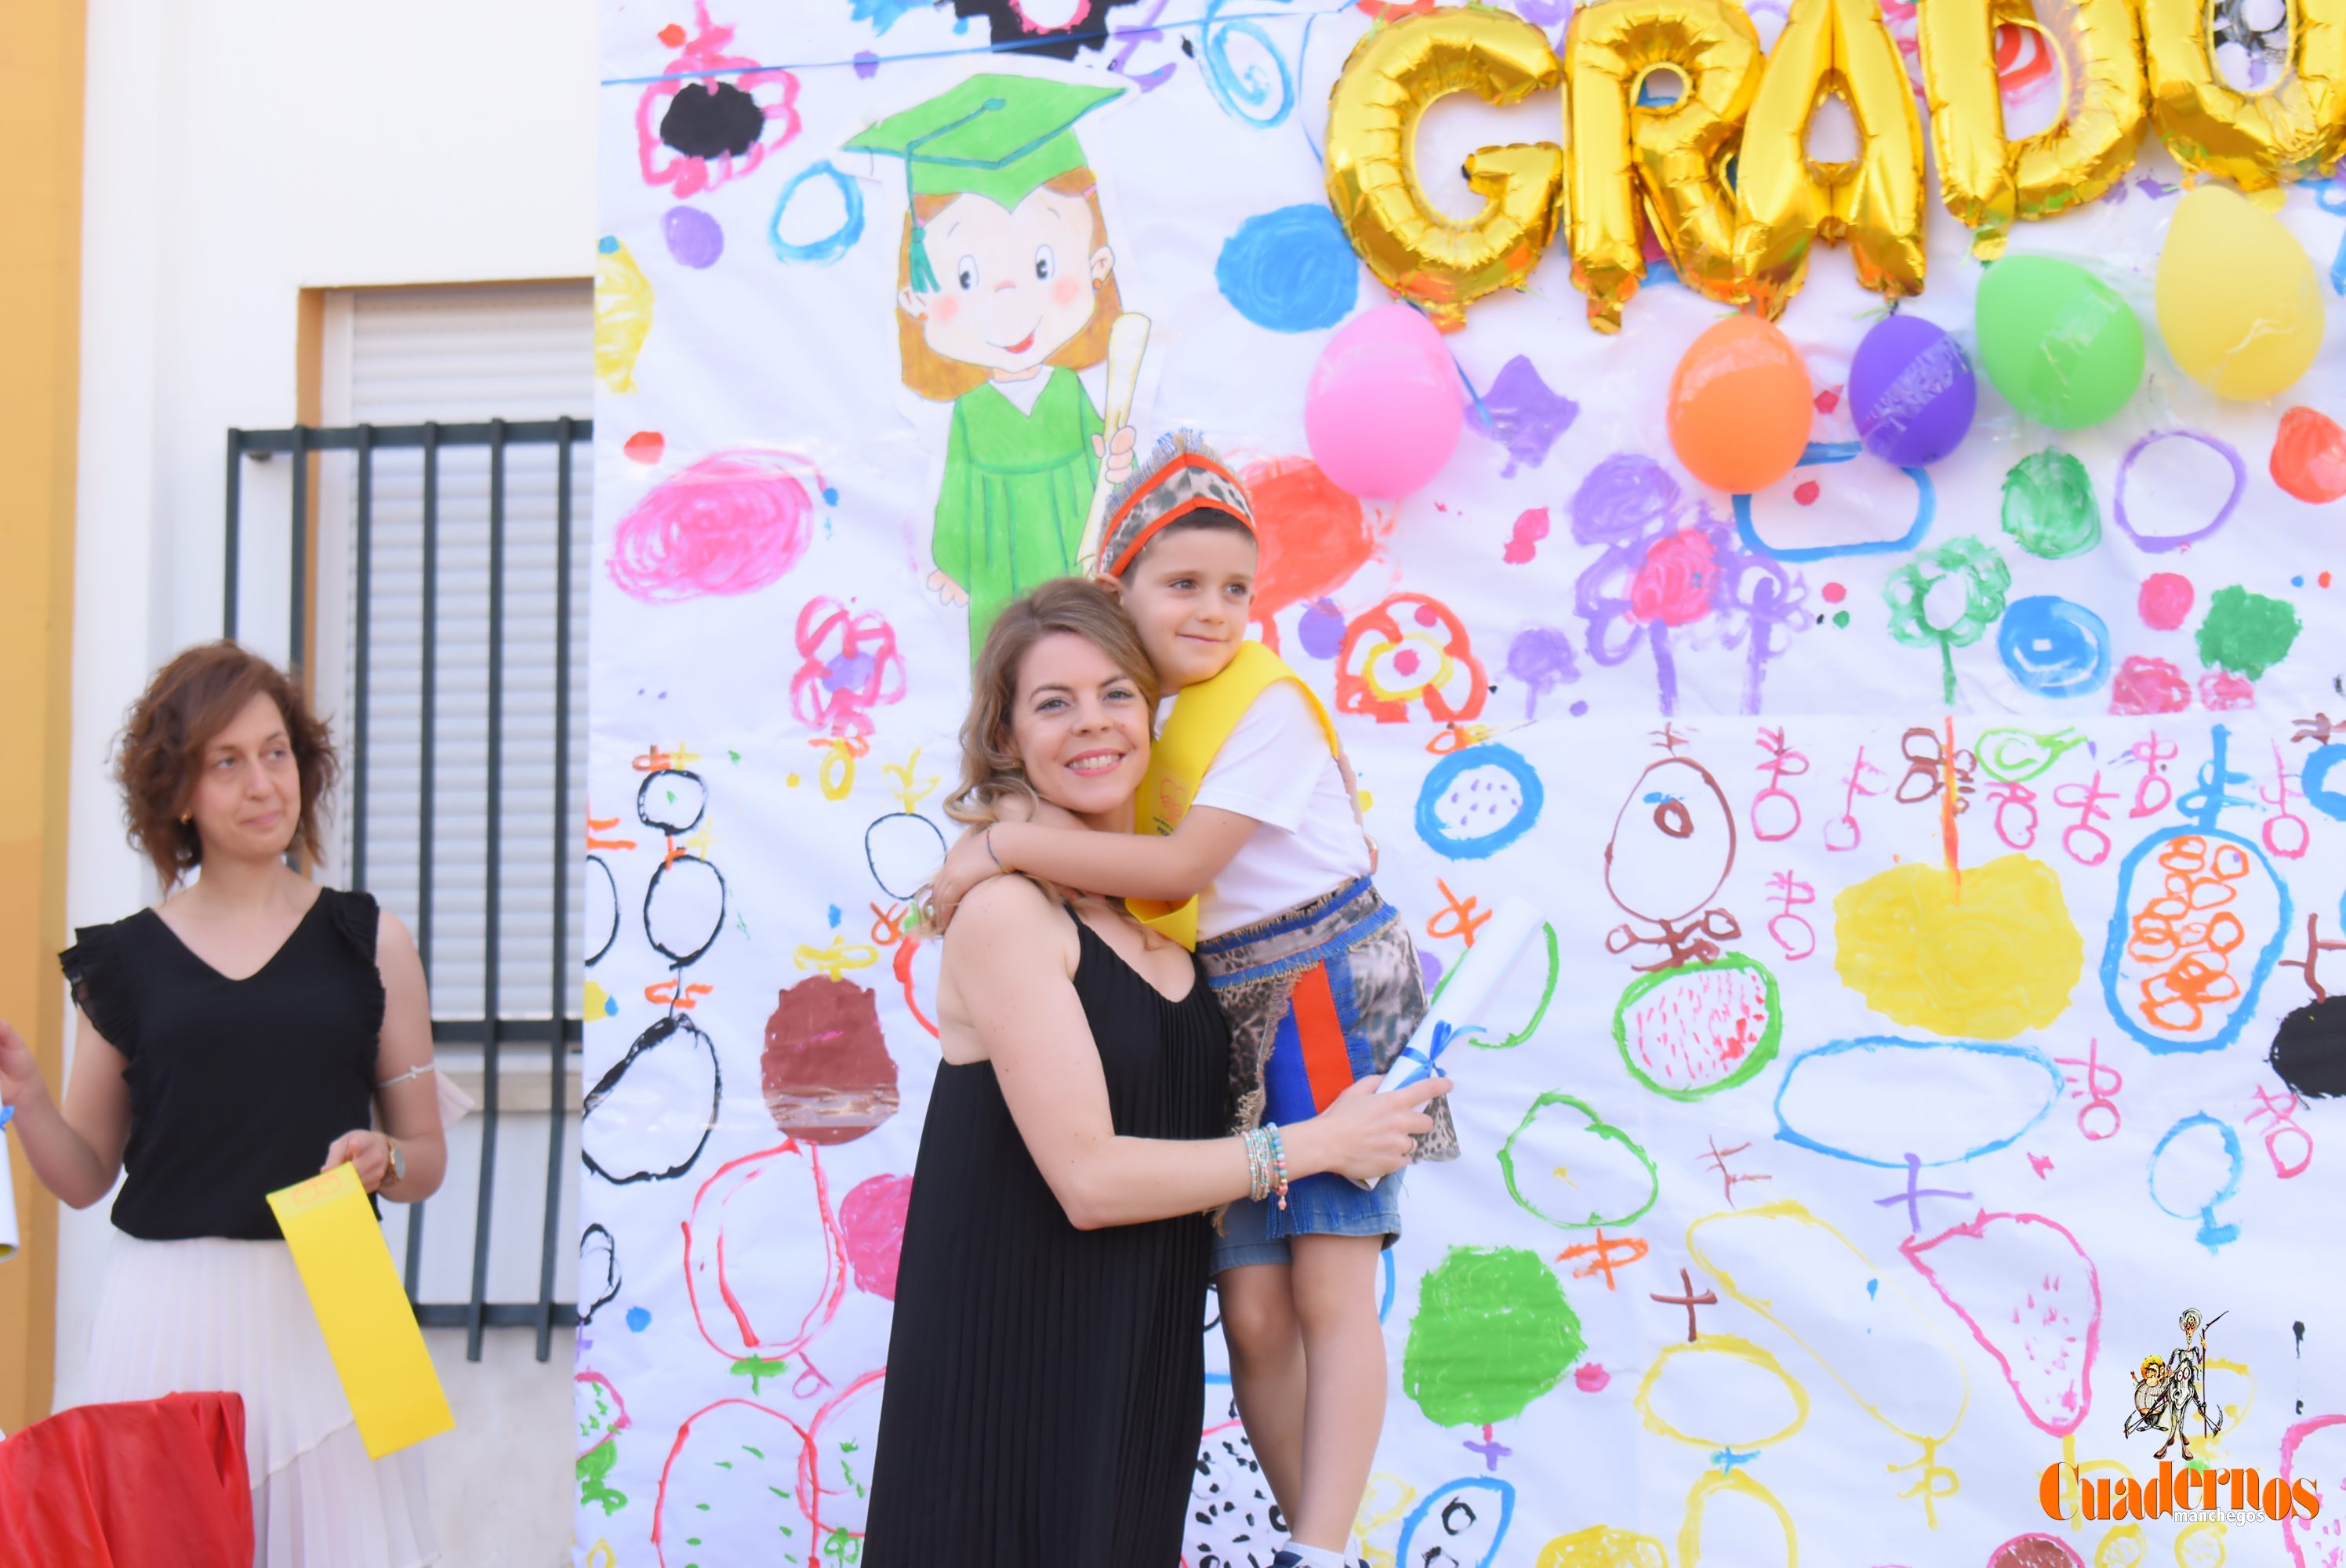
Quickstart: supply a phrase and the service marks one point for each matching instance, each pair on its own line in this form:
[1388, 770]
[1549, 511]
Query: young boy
[1249, 848]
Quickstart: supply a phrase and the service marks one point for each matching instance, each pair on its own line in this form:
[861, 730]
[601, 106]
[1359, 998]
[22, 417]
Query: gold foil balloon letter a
[1874, 201]
[1394, 73]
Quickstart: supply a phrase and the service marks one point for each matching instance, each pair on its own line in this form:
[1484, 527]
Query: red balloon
[2308, 456]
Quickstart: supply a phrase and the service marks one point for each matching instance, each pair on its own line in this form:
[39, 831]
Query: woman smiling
[1045, 1372]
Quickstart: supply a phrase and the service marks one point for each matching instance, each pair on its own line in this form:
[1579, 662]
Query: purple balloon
[1912, 392]
[693, 237]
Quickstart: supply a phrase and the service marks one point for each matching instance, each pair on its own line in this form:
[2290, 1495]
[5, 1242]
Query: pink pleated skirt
[212, 1315]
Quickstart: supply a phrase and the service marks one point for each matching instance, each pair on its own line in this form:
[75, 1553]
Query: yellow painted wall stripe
[41, 98]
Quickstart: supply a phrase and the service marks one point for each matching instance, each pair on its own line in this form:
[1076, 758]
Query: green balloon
[2057, 341]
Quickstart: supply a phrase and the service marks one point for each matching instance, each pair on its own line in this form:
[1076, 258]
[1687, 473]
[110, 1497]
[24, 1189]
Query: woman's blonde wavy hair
[991, 770]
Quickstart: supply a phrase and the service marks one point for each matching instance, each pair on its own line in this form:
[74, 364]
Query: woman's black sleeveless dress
[1045, 1384]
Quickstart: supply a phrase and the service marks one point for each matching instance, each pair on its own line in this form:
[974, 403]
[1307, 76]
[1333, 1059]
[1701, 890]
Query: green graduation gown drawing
[1017, 489]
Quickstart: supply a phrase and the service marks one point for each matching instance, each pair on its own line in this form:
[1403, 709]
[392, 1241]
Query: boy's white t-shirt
[1276, 769]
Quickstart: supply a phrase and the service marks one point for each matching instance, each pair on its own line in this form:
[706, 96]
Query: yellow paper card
[370, 1328]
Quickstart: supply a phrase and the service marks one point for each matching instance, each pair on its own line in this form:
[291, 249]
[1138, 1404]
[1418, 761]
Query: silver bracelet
[404, 1077]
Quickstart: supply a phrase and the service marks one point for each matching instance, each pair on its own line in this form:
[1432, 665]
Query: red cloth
[138, 1485]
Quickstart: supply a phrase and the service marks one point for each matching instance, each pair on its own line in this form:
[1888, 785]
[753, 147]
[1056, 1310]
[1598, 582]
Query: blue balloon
[2053, 648]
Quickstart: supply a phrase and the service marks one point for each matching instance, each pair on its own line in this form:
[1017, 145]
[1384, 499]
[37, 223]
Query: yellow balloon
[1668, 161]
[2238, 302]
[1788, 202]
[1987, 182]
[1394, 72]
[2256, 140]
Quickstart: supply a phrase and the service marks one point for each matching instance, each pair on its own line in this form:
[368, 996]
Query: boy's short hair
[1182, 479]
[1204, 520]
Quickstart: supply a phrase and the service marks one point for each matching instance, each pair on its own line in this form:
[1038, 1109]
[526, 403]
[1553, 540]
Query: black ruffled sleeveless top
[237, 1087]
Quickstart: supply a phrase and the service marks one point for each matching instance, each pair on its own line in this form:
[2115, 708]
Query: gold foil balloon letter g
[1394, 72]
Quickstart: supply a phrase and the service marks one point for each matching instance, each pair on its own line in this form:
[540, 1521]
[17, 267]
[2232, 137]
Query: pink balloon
[1383, 410]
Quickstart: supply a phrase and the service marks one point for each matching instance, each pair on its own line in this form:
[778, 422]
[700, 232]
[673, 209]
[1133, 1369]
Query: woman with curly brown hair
[246, 1033]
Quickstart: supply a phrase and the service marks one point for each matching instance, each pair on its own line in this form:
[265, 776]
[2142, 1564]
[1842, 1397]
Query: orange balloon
[1740, 406]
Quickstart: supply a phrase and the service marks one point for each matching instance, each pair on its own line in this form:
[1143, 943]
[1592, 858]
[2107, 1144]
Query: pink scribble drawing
[2284, 1124]
[872, 1224]
[772, 96]
[701, 1467]
[1782, 763]
[1523, 543]
[831, 1492]
[2220, 691]
[2147, 685]
[603, 1432]
[733, 522]
[850, 667]
[761, 1304]
[2045, 1340]
[2327, 1534]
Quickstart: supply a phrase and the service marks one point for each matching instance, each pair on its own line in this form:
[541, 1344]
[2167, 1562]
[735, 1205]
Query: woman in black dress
[244, 1035]
[1045, 1372]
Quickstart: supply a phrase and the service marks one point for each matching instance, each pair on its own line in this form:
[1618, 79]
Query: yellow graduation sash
[370, 1328]
[1203, 716]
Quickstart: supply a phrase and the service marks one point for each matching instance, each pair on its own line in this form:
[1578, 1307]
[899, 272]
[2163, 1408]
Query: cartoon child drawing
[1006, 288]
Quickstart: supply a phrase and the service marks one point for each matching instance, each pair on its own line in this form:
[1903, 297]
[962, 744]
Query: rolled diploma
[7, 1204]
[1467, 990]
[1128, 336]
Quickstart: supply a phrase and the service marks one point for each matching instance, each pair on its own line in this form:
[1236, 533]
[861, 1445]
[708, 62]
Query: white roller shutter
[403, 356]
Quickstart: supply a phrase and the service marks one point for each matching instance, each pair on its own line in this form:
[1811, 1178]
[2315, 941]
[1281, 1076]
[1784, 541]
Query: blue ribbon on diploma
[1430, 1059]
[7, 1114]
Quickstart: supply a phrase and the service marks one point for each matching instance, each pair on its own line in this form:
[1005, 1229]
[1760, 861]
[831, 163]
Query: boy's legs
[1266, 1371]
[1335, 1296]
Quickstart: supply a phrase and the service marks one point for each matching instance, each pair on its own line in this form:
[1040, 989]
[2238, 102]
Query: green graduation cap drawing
[994, 136]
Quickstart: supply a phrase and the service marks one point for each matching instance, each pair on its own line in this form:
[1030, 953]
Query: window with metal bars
[428, 547]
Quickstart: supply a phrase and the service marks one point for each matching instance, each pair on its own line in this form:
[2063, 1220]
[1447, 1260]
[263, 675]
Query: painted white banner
[1899, 1072]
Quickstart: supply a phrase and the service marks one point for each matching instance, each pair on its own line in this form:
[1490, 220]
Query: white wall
[237, 151]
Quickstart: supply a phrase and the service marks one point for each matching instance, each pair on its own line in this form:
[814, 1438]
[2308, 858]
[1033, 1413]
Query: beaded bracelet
[1260, 1169]
[1279, 1164]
